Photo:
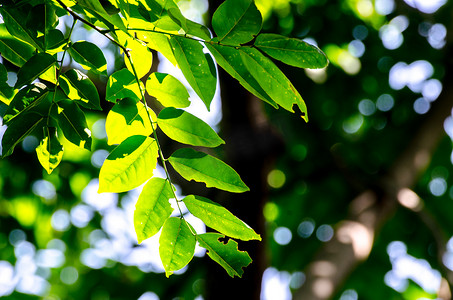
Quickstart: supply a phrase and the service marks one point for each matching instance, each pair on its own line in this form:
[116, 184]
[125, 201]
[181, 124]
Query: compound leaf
[184, 127]
[227, 255]
[152, 208]
[176, 245]
[219, 218]
[201, 167]
[129, 165]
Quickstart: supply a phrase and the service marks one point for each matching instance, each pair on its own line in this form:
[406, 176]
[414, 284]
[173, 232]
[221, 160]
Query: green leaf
[89, 56]
[55, 41]
[17, 130]
[122, 84]
[49, 150]
[95, 7]
[78, 86]
[129, 165]
[184, 127]
[128, 118]
[202, 167]
[197, 67]
[273, 81]
[219, 218]
[159, 11]
[176, 245]
[168, 90]
[227, 255]
[6, 92]
[198, 30]
[158, 42]
[34, 97]
[14, 50]
[230, 60]
[139, 53]
[236, 21]
[291, 51]
[16, 22]
[33, 68]
[152, 208]
[72, 122]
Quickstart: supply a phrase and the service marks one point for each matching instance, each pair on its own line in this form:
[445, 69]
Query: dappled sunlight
[426, 6]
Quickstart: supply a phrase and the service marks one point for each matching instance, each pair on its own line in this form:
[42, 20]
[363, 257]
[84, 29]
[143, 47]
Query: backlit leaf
[129, 165]
[139, 53]
[273, 81]
[72, 122]
[227, 255]
[128, 118]
[158, 42]
[176, 245]
[152, 208]
[49, 150]
[14, 50]
[197, 67]
[230, 60]
[95, 7]
[185, 128]
[201, 167]
[33, 68]
[122, 84]
[35, 97]
[294, 52]
[168, 90]
[89, 56]
[78, 86]
[236, 21]
[219, 218]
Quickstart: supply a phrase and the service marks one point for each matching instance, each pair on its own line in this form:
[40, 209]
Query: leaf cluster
[49, 102]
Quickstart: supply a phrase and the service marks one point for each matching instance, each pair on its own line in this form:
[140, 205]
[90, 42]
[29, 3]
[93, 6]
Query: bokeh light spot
[270, 211]
[306, 228]
[276, 179]
[282, 235]
[324, 233]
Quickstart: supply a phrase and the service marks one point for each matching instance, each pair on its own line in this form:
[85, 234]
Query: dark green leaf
[227, 255]
[176, 245]
[14, 50]
[201, 167]
[236, 21]
[168, 90]
[33, 68]
[55, 41]
[152, 208]
[129, 165]
[230, 60]
[35, 97]
[272, 80]
[49, 150]
[96, 8]
[291, 51]
[78, 86]
[184, 127]
[89, 56]
[6, 91]
[198, 68]
[219, 218]
[72, 122]
[17, 130]
[122, 84]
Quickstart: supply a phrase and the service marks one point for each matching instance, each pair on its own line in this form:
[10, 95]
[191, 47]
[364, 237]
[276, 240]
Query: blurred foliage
[348, 144]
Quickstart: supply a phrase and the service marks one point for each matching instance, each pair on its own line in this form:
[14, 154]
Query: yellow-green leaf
[168, 90]
[49, 150]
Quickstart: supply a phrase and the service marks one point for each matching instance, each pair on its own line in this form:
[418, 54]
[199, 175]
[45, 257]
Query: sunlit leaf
[168, 90]
[185, 128]
[158, 42]
[14, 50]
[230, 60]
[272, 80]
[72, 122]
[139, 53]
[49, 150]
[122, 84]
[55, 41]
[227, 255]
[89, 56]
[78, 86]
[33, 68]
[236, 21]
[219, 218]
[95, 7]
[152, 208]
[294, 52]
[176, 245]
[129, 165]
[198, 30]
[197, 67]
[128, 118]
[201, 167]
